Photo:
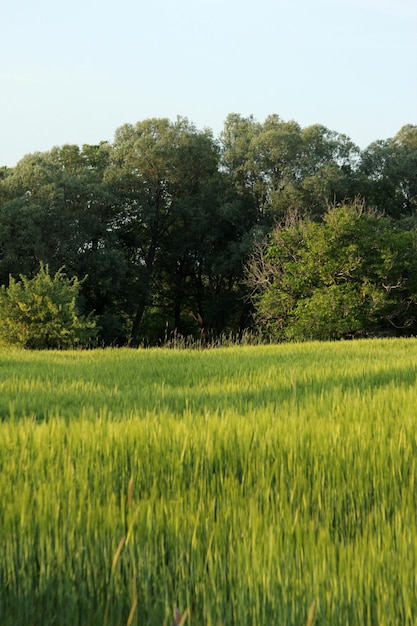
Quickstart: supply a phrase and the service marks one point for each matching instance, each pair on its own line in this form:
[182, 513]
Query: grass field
[269, 485]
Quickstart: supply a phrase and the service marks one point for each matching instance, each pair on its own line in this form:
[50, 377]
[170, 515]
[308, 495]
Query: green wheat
[247, 486]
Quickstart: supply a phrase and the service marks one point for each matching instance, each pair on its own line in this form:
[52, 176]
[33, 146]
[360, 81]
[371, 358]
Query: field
[248, 486]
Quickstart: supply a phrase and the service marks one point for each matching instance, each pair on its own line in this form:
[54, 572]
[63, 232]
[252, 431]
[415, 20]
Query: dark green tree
[57, 209]
[204, 261]
[160, 170]
[286, 168]
[389, 174]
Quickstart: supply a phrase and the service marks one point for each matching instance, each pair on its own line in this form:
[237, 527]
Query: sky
[75, 72]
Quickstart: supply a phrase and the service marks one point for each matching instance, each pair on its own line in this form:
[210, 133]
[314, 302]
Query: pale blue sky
[74, 72]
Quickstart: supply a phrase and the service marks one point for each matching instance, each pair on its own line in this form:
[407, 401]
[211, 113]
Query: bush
[41, 312]
[352, 274]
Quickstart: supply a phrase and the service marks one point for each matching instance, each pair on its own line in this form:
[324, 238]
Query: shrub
[41, 312]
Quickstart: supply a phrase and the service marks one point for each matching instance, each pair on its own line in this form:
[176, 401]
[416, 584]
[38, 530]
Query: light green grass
[240, 483]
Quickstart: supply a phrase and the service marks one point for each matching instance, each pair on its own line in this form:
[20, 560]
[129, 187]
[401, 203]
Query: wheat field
[244, 485]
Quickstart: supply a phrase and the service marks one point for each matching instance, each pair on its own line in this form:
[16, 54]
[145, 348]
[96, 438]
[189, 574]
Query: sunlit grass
[241, 484]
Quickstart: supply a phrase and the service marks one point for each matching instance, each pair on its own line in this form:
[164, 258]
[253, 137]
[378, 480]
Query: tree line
[287, 231]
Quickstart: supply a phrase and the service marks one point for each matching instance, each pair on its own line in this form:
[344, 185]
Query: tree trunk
[134, 335]
[133, 340]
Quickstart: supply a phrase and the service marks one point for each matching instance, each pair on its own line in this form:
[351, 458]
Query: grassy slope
[242, 483]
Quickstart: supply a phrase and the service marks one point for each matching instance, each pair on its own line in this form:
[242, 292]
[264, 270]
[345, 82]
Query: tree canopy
[351, 274]
[164, 221]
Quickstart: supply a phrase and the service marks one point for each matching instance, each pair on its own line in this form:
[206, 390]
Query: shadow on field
[56, 394]
[300, 392]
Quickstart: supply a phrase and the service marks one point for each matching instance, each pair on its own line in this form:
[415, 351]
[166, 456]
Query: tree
[353, 274]
[162, 220]
[158, 171]
[42, 313]
[204, 258]
[389, 174]
[286, 168]
[40, 213]
[56, 207]
[327, 175]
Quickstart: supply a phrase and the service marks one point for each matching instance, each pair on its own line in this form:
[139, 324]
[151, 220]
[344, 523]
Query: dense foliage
[164, 220]
[351, 274]
[41, 312]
